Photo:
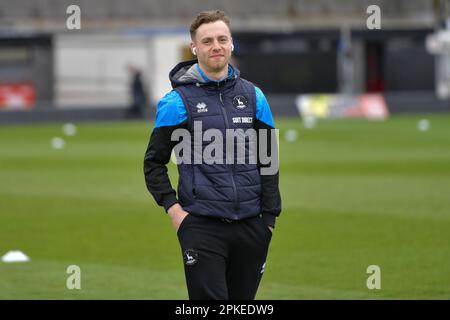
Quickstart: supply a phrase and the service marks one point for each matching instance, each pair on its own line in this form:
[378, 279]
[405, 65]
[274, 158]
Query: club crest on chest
[240, 102]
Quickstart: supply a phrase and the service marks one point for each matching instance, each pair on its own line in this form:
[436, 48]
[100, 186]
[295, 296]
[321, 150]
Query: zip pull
[220, 97]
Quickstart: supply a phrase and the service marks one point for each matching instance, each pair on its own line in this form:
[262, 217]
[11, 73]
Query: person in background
[139, 99]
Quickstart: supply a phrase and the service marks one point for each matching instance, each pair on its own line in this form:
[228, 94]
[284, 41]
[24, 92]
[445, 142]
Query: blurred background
[364, 140]
[288, 48]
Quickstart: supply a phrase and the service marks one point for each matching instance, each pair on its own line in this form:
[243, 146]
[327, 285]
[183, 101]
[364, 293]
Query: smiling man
[225, 212]
[212, 44]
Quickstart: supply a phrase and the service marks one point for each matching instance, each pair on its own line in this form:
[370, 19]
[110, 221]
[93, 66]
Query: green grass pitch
[355, 193]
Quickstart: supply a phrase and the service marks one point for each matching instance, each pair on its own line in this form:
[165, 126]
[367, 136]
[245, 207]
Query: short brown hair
[208, 17]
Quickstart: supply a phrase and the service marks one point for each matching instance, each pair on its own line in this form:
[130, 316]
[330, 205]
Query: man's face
[213, 45]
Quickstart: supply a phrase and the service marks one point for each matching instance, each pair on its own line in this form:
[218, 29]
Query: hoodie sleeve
[270, 194]
[171, 114]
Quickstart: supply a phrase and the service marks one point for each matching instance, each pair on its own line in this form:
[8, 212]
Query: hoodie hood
[187, 72]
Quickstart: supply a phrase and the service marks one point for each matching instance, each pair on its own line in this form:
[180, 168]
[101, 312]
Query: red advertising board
[17, 96]
[371, 106]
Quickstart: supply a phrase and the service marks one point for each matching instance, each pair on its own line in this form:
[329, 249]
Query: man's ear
[193, 50]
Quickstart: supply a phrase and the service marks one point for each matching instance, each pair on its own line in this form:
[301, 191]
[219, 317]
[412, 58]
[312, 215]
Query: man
[137, 93]
[225, 212]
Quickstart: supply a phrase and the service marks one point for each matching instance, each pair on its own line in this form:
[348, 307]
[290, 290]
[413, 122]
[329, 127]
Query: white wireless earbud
[232, 47]
[194, 51]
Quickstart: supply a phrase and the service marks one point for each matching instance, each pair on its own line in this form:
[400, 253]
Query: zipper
[233, 183]
[193, 182]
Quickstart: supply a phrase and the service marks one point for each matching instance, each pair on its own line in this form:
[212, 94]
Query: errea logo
[201, 107]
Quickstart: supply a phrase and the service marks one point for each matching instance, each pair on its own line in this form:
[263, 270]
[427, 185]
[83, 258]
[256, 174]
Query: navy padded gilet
[230, 191]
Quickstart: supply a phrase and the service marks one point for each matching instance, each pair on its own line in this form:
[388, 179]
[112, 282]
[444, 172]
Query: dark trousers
[223, 260]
